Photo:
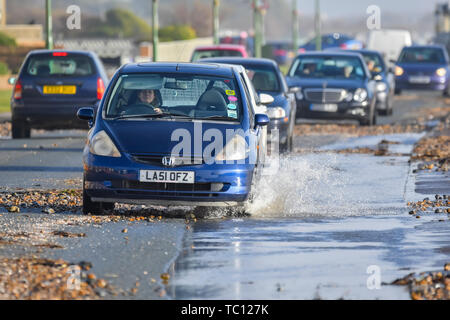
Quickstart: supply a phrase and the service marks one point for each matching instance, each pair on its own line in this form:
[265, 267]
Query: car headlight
[441, 72]
[101, 144]
[348, 96]
[276, 112]
[381, 86]
[398, 71]
[235, 149]
[360, 95]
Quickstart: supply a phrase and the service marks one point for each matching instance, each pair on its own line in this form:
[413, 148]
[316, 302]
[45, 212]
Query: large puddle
[317, 225]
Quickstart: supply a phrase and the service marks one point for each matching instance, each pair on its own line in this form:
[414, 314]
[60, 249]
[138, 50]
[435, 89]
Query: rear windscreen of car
[215, 53]
[422, 55]
[339, 67]
[64, 64]
[188, 95]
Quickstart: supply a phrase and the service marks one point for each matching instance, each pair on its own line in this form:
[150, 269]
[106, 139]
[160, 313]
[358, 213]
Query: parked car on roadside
[173, 134]
[333, 40]
[422, 68]
[268, 79]
[51, 86]
[334, 85]
[221, 50]
[280, 51]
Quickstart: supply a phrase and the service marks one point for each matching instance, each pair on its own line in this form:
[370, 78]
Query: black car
[51, 87]
[268, 79]
[334, 85]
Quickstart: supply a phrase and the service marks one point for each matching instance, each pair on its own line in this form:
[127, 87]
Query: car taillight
[301, 50]
[60, 54]
[343, 46]
[18, 90]
[280, 52]
[100, 88]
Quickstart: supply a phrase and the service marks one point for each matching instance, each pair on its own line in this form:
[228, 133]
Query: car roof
[330, 53]
[45, 51]
[425, 46]
[232, 47]
[185, 67]
[362, 51]
[240, 61]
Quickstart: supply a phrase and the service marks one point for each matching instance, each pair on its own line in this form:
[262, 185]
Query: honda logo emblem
[168, 161]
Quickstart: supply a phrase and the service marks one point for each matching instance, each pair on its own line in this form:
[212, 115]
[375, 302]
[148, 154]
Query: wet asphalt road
[317, 227]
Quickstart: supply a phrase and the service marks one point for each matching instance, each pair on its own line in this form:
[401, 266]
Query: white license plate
[324, 107]
[166, 176]
[419, 79]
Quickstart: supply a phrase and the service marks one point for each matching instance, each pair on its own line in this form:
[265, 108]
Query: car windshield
[263, 79]
[373, 62]
[59, 64]
[174, 95]
[215, 53]
[336, 67]
[422, 55]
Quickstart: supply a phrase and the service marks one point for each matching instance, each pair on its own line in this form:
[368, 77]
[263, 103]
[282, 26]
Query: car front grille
[169, 187]
[157, 160]
[325, 95]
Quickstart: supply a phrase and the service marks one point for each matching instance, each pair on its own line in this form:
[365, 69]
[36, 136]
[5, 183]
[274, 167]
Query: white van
[389, 42]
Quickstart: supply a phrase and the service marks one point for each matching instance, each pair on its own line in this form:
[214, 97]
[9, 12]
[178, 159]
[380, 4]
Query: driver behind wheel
[148, 97]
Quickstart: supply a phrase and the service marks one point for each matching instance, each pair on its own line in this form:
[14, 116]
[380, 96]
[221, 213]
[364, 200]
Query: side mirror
[86, 113]
[261, 120]
[12, 80]
[266, 99]
[294, 90]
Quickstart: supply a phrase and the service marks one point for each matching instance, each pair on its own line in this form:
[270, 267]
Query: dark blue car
[422, 68]
[51, 86]
[173, 134]
[385, 83]
[334, 85]
[268, 79]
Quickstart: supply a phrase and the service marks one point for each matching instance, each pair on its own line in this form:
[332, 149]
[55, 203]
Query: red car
[221, 50]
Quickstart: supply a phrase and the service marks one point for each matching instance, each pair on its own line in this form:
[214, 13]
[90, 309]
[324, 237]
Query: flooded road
[319, 229]
[329, 221]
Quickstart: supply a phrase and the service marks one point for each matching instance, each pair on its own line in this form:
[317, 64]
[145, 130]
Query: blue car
[173, 134]
[268, 79]
[385, 83]
[333, 86]
[422, 68]
[333, 40]
[50, 88]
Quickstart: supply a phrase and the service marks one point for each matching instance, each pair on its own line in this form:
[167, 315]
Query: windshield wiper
[152, 115]
[217, 118]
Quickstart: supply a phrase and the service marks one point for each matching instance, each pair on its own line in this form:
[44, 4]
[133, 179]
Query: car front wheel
[19, 130]
[95, 208]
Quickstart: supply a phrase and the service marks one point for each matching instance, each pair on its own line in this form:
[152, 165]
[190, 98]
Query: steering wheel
[140, 109]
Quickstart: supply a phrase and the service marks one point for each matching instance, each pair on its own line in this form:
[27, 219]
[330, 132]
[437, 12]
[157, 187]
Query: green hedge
[3, 68]
[7, 41]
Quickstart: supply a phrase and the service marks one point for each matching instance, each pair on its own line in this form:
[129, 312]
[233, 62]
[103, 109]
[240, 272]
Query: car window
[215, 53]
[59, 64]
[422, 55]
[374, 62]
[189, 95]
[336, 67]
[263, 79]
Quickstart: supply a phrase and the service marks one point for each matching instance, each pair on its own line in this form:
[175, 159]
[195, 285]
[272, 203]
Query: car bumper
[42, 116]
[346, 110]
[117, 180]
[435, 84]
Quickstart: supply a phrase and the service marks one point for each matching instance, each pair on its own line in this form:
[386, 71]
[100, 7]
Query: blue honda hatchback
[173, 134]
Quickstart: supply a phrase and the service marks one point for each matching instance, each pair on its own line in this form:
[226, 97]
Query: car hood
[330, 83]
[154, 136]
[421, 67]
